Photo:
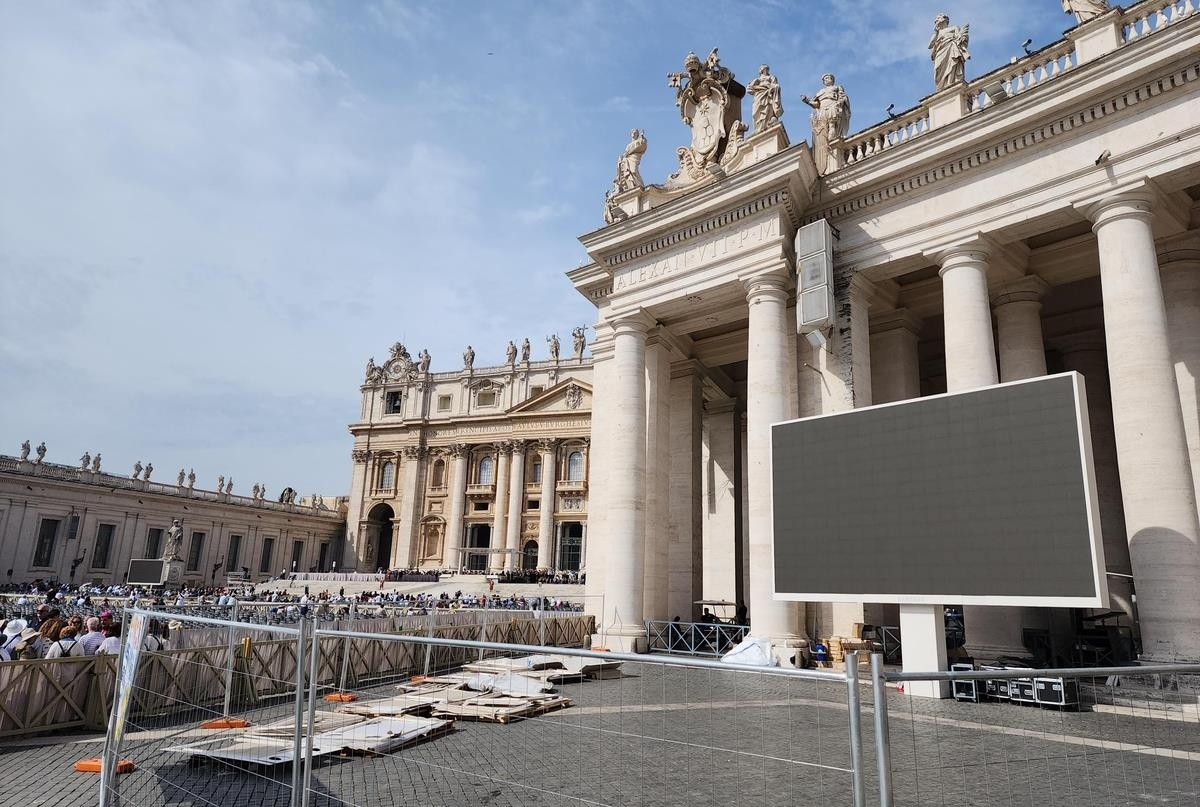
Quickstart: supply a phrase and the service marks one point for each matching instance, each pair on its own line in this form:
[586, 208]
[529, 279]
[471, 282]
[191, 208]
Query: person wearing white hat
[12, 637]
[29, 646]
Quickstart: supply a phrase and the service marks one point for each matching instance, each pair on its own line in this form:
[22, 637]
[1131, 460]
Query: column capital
[1128, 204]
[502, 446]
[634, 322]
[547, 444]
[967, 253]
[517, 446]
[897, 318]
[414, 452]
[768, 285]
[457, 450]
[1028, 289]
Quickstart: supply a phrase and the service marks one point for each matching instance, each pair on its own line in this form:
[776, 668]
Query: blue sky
[212, 214]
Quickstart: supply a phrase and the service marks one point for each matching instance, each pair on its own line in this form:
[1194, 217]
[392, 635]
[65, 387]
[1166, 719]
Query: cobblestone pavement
[665, 737]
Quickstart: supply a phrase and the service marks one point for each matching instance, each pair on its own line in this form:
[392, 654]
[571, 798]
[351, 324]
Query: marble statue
[399, 351]
[702, 94]
[174, 542]
[525, 351]
[629, 175]
[1085, 10]
[254, 492]
[191, 477]
[24, 451]
[262, 491]
[137, 469]
[424, 360]
[552, 340]
[768, 107]
[613, 212]
[468, 358]
[578, 341]
[41, 452]
[85, 461]
[830, 121]
[372, 371]
[220, 482]
[179, 479]
[149, 470]
[510, 353]
[96, 463]
[948, 50]
[229, 486]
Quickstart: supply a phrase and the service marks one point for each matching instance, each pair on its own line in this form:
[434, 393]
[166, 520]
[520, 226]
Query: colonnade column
[1156, 476]
[895, 364]
[500, 507]
[516, 497]
[1180, 270]
[404, 540]
[624, 556]
[546, 542]
[458, 505]
[658, 476]
[970, 352]
[766, 403]
[994, 630]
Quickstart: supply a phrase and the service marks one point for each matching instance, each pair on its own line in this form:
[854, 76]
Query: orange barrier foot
[224, 723]
[341, 697]
[94, 765]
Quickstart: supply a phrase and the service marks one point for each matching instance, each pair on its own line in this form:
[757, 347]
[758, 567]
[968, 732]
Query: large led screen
[980, 497]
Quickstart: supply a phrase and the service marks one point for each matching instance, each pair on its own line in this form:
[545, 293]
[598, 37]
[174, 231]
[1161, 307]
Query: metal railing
[703, 639]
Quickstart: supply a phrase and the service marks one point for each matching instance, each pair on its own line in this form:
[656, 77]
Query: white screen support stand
[923, 639]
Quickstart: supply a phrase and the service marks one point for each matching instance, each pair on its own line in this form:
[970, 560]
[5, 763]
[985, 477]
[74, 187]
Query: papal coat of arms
[703, 94]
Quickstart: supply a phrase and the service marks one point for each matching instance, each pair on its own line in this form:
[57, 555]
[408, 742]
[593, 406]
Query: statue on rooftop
[468, 358]
[149, 470]
[41, 452]
[629, 176]
[423, 361]
[220, 482]
[579, 341]
[179, 479]
[948, 50]
[525, 351]
[702, 94]
[96, 463]
[830, 121]
[552, 340]
[399, 351]
[768, 107]
[510, 353]
[85, 461]
[1085, 10]
[229, 485]
[137, 469]
[24, 451]
[373, 372]
[191, 478]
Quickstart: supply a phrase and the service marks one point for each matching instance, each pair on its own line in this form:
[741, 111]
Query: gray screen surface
[979, 494]
[145, 572]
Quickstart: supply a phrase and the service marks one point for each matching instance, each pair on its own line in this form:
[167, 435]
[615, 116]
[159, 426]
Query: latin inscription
[697, 255]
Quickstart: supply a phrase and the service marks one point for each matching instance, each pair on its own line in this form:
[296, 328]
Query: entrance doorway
[570, 550]
[479, 541]
[529, 556]
[378, 551]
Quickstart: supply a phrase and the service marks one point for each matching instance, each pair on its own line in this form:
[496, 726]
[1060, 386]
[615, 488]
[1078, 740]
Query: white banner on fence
[130, 650]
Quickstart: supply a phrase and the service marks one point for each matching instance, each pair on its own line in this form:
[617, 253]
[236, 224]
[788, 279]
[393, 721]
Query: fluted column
[500, 511]
[1180, 270]
[970, 352]
[546, 540]
[766, 403]
[516, 498]
[1156, 477]
[458, 503]
[625, 520]
[658, 476]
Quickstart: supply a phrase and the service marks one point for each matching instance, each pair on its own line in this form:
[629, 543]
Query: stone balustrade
[1022, 75]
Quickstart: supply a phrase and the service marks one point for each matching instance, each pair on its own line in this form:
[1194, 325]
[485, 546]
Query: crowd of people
[47, 632]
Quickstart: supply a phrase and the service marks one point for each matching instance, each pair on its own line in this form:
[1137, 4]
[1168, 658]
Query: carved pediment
[569, 395]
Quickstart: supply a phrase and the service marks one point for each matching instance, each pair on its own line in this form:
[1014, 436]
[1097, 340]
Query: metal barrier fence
[459, 721]
[703, 639]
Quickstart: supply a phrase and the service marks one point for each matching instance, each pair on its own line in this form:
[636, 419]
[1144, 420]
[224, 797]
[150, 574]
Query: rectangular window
[43, 553]
[535, 391]
[154, 537]
[481, 507]
[194, 551]
[486, 398]
[104, 539]
[297, 555]
[393, 403]
[73, 528]
[264, 563]
[443, 404]
[233, 555]
[533, 504]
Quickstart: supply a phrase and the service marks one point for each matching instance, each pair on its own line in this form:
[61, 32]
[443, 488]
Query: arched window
[439, 474]
[486, 471]
[387, 475]
[575, 467]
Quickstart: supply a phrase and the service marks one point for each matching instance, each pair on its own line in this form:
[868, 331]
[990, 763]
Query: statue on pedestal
[85, 461]
[229, 486]
[525, 351]
[149, 470]
[137, 469]
[423, 361]
[948, 50]
[552, 340]
[179, 479]
[254, 492]
[96, 463]
[1085, 10]
[174, 542]
[579, 341]
[830, 121]
[220, 482]
[24, 451]
[41, 453]
[191, 477]
[768, 106]
[702, 95]
[468, 358]
[373, 372]
[629, 176]
[510, 353]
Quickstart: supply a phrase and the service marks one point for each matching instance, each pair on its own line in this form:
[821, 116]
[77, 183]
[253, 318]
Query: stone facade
[70, 524]
[1025, 222]
[480, 469]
